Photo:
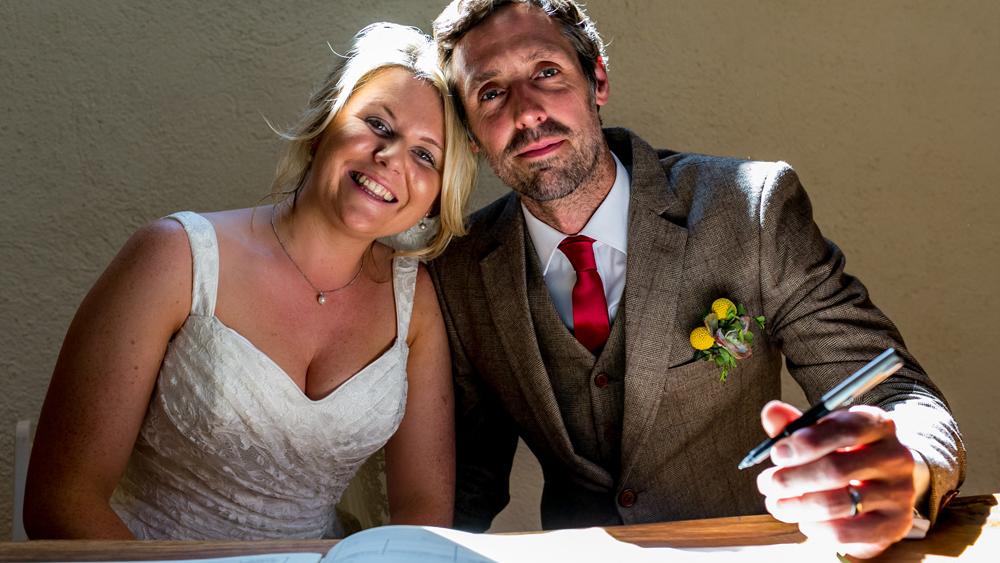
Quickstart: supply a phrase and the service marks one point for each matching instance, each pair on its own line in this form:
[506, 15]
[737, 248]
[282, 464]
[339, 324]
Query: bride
[229, 372]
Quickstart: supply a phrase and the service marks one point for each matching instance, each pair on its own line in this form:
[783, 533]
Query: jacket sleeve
[485, 436]
[827, 327]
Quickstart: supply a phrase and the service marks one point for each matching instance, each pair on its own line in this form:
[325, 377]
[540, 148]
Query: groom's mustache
[524, 137]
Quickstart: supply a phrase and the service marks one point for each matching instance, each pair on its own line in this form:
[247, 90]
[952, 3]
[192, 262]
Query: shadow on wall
[523, 512]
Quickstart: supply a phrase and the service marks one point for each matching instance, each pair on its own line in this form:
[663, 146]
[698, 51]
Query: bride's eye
[380, 127]
[425, 156]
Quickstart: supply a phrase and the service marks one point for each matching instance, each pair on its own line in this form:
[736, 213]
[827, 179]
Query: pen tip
[744, 464]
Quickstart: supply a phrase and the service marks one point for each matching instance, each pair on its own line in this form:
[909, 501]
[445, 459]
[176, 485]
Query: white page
[264, 558]
[414, 544]
[421, 544]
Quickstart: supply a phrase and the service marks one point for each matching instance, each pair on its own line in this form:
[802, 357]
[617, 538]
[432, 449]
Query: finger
[766, 483]
[833, 504]
[844, 429]
[776, 415]
[864, 536]
[886, 461]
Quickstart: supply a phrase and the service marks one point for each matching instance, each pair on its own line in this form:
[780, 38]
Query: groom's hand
[816, 467]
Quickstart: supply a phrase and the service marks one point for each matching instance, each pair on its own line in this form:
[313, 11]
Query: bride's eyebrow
[431, 141]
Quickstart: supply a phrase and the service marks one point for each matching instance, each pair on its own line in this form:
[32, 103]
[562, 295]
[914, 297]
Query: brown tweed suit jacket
[700, 227]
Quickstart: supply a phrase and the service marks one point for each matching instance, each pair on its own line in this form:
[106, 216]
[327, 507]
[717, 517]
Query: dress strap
[404, 282]
[205, 261]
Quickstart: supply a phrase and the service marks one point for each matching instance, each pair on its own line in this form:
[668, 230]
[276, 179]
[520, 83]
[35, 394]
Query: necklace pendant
[321, 298]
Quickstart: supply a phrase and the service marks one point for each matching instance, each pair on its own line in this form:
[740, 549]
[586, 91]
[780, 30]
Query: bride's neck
[314, 244]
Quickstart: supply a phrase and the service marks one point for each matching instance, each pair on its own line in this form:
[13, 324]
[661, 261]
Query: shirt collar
[608, 224]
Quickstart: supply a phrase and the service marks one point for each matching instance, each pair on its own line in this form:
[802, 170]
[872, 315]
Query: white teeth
[373, 186]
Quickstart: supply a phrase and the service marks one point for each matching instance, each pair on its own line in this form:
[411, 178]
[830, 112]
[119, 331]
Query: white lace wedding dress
[232, 448]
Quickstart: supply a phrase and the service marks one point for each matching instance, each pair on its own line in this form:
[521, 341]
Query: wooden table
[968, 529]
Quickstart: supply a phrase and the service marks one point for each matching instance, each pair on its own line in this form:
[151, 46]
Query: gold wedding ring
[856, 506]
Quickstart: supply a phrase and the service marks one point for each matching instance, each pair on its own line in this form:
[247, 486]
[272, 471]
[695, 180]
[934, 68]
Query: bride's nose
[388, 154]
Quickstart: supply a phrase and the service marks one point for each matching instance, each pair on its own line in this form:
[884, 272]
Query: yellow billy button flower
[722, 308]
[701, 339]
[725, 336]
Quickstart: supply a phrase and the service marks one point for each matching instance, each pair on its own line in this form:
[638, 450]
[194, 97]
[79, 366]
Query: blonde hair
[375, 48]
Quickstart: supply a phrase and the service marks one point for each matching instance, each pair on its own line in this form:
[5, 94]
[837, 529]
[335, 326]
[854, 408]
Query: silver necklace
[320, 293]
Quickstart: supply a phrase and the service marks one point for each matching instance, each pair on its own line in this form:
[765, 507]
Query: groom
[569, 308]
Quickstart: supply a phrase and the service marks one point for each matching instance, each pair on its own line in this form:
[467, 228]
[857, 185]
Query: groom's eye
[490, 95]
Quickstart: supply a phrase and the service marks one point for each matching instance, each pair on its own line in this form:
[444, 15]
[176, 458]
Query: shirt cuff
[921, 484]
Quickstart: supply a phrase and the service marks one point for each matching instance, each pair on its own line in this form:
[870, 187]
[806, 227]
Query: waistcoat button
[626, 498]
[601, 380]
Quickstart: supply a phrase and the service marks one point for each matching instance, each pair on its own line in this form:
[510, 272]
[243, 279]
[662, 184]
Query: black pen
[873, 373]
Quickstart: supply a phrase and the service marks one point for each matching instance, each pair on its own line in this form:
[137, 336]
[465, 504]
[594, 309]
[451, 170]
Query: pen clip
[873, 373]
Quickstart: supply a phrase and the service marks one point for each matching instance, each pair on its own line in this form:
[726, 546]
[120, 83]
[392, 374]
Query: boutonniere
[726, 335]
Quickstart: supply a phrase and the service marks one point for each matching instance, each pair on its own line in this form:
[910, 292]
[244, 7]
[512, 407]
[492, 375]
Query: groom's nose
[526, 103]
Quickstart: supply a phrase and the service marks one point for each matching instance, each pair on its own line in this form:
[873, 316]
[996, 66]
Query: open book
[419, 544]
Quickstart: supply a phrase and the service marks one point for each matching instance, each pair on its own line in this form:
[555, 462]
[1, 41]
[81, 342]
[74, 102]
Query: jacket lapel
[653, 281]
[503, 272]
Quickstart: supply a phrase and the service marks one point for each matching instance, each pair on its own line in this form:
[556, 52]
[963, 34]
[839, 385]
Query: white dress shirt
[608, 226]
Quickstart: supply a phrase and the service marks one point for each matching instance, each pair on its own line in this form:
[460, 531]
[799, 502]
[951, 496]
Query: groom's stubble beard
[552, 178]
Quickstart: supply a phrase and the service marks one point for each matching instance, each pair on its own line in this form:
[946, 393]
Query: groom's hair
[461, 16]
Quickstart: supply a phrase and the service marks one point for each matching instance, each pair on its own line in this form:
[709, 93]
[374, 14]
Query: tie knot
[579, 249]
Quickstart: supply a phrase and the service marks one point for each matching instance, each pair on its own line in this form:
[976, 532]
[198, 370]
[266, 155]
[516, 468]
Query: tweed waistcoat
[589, 390]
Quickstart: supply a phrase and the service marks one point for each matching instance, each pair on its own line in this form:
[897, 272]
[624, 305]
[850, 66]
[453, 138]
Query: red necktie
[590, 308]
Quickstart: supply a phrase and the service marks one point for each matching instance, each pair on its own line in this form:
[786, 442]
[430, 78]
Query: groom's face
[528, 103]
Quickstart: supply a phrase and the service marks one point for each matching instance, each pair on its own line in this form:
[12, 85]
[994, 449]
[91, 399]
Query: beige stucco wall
[115, 113]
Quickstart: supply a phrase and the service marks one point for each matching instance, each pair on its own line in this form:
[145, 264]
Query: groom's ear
[473, 144]
[602, 88]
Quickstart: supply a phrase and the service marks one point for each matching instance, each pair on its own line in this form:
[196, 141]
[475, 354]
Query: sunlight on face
[378, 164]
